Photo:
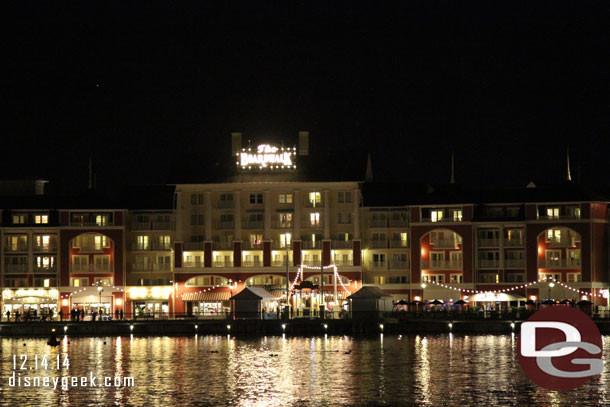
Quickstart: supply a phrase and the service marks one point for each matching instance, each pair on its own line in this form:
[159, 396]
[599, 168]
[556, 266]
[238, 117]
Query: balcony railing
[140, 226]
[513, 242]
[567, 241]
[445, 219]
[91, 268]
[399, 244]
[281, 263]
[282, 225]
[489, 264]
[150, 246]
[223, 264]
[308, 244]
[252, 246]
[445, 243]
[378, 244]
[560, 263]
[151, 267]
[559, 217]
[15, 268]
[310, 204]
[190, 264]
[402, 264]
[395, 223]
[378, 223]
[344, 262]
[41, 269]
[517, 263]
[441, 264]
[279, 245]
[16, 248]
[252, 263]
[91, 223]
[377, 265]
[52, 247]
[253, 224]
[308, 224]
[312, 263]
[163, 225]
[227, 204]
[225, 224]
[342, 244]
[489, 243]
[193, 246]
[223, 245]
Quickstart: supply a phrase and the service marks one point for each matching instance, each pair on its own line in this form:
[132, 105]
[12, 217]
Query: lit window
[285, 240]
[314, 218]
[552, 213]
[436, 215]
[41, 219]
[285, 198]
[18, 219]
[457, 215]
[315, 198]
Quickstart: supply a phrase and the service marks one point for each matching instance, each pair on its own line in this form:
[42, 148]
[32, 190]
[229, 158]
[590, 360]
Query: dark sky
[506, 86]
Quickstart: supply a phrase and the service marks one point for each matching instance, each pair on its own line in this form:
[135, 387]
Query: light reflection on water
[280, 371]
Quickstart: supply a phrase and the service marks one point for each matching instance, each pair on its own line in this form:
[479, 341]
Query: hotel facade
[279, 218]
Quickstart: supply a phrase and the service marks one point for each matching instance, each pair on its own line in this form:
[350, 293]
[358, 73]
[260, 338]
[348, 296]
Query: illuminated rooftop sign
[267, 156]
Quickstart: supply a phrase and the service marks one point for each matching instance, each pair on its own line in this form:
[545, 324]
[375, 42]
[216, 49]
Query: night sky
[507, 87]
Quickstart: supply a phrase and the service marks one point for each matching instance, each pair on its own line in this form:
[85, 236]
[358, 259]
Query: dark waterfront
[435, 370]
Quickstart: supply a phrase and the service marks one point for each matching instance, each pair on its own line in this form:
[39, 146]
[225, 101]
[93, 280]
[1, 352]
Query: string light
[518, 287]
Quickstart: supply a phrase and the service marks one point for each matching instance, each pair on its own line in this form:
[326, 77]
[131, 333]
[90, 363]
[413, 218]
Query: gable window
[314, 199]
[19, 219]
[552, 213]
[436, 215]
[256, 199]
[285, 198]
[344, 197]
[314, 218]
[41, 219]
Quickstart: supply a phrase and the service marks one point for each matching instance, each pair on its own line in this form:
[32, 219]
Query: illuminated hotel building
[270, 215]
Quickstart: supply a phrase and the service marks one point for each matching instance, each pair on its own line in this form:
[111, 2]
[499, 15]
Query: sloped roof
[254, 293]
[370, 292]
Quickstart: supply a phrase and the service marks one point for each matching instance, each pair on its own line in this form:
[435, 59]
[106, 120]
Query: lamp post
[423, 293]
[551, 285]
[231, 294]
[99, 304]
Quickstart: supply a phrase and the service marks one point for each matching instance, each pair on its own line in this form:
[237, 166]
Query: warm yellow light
[539, 250]
[533, 298]
[423, 251]
[119, 301]
[417, 298]
[64, 302]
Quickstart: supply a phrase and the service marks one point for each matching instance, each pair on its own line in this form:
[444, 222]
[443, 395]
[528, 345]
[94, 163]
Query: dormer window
[436, 215]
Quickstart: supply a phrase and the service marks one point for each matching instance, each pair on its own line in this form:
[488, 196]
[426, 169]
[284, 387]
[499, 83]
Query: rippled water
[217, 371]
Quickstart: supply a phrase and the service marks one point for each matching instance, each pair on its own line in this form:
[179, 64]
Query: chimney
[235, 143]
[303, 143]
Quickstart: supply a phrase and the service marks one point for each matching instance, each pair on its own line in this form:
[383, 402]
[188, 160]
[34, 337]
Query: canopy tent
[254, 302]
[494, 297]
[370, 302]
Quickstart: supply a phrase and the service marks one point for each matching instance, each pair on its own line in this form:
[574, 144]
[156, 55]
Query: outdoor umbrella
[460, 302]
[436, 302]
[402, 302]
[565, 302]
[548, 302]
[584, 302]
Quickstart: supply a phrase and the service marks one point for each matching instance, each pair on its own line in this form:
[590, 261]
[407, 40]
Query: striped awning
[207, 297]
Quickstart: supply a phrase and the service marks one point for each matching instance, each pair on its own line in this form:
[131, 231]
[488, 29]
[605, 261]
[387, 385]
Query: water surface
[443, 370]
